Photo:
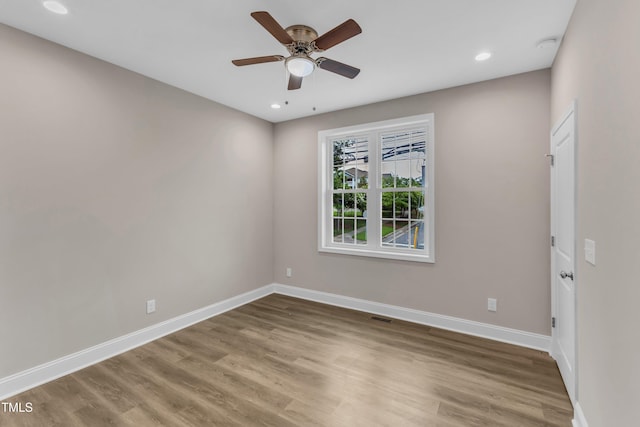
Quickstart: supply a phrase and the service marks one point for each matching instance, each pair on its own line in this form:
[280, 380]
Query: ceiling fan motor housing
[303, 40]
[302, 33]
[300, 63]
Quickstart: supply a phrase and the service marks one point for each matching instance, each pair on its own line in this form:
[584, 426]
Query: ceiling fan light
[300, 66]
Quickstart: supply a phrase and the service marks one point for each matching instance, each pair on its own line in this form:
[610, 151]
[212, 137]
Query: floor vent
[381, 319]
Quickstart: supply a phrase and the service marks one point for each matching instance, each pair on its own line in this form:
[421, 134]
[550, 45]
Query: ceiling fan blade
[342, 32]
[271, 25]
[295, 82]
[338, 67]
[257, 60]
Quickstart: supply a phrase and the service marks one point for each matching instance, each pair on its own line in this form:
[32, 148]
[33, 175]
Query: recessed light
[55, 7]
[275, 106]
[547, 44]
[483, 56]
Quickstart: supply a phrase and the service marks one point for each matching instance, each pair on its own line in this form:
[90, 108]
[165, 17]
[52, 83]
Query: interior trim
[41, 374]
[469, 327]
[579, 419]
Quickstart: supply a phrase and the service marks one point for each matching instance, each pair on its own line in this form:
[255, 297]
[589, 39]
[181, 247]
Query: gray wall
[114, 189]
[599, 64]
[492, 206]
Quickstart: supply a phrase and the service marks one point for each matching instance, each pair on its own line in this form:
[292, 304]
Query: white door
[563, 280]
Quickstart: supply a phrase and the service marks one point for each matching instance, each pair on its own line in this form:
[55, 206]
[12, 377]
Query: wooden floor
[282, 361]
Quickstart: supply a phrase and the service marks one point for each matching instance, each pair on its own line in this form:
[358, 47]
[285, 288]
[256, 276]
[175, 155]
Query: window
[376, 194]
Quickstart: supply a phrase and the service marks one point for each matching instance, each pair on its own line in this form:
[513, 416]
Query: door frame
[571, 110]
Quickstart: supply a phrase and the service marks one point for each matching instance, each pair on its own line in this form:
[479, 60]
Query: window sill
[379, 254]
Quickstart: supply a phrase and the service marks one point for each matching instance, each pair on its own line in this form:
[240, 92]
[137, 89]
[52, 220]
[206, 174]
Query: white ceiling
[406, 46]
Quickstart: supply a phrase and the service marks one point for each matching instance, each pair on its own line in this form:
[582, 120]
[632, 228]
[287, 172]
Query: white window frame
[373, 247]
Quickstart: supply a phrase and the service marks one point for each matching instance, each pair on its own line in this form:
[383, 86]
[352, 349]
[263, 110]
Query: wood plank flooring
[281, 361]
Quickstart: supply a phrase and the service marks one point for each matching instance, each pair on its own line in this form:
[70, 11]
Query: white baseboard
[25, 380]
[579, 419]
[496, 333]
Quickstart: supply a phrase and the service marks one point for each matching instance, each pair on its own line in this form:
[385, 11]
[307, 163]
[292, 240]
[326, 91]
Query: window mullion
[373, 198]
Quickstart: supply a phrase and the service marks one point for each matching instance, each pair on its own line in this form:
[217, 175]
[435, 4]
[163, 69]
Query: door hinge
[553, 322]
[553, 240]
[550, 157]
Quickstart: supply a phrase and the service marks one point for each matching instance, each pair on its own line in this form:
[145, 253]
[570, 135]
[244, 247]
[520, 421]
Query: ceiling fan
[301, 41]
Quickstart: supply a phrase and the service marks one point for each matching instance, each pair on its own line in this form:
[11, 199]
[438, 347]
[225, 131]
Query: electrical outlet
[289, 272]
[492, 304]
[151, 306]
